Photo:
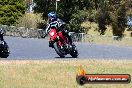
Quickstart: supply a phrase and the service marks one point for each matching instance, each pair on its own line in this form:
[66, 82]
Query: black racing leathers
[60, 26]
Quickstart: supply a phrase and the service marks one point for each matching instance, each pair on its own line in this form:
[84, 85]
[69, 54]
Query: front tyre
[58, 50]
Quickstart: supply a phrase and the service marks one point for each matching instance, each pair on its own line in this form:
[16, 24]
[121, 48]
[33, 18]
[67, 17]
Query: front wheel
[58, 50]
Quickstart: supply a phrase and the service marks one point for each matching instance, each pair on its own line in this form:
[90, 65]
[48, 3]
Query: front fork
[51, 42]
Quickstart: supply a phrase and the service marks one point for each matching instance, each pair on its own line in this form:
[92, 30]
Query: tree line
[73, 12]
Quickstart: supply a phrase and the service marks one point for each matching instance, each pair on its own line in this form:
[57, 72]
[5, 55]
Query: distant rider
[59, 24]
[1, 34]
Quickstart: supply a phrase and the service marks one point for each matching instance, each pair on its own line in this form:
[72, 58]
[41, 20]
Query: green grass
[59, 73]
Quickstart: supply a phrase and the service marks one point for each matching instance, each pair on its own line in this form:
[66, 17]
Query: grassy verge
[96, 38]
[58, 73]
[109, 40]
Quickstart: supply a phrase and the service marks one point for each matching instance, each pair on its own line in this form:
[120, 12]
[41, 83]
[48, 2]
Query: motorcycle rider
[60, 26]
[1, 34]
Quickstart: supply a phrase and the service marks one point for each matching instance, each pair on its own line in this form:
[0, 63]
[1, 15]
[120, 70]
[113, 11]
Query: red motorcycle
[61, 44]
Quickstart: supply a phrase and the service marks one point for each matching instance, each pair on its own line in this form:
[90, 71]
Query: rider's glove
[44, 35]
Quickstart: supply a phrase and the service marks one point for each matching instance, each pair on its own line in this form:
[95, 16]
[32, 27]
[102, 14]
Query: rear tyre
[4, 55]
[74, 52]
[58, 51]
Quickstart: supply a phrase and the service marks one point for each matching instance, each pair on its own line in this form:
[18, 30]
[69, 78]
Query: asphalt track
[37, 49]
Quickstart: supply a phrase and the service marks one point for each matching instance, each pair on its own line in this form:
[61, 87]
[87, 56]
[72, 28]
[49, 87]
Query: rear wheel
[74, 51]
[4, 55]
[58, 50]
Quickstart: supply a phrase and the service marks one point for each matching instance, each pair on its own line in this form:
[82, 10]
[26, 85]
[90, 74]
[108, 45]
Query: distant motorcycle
[4, 49]
[61, 44]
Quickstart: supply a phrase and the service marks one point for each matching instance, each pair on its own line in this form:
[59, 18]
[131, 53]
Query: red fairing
[62, 37]
[52, 34]
[60, 44]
